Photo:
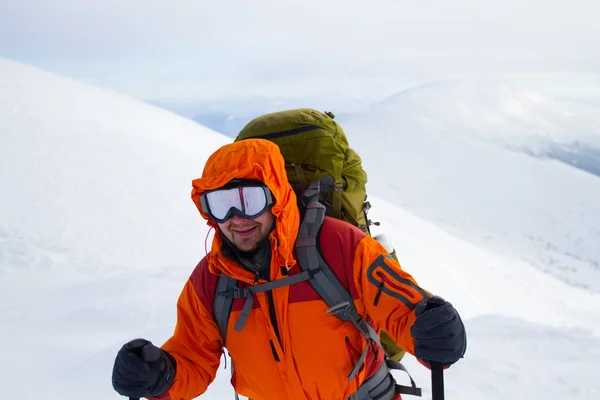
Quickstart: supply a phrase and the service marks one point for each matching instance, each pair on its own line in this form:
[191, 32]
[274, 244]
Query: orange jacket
[313, 353]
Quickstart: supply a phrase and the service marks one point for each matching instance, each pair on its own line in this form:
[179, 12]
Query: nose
[236, 219]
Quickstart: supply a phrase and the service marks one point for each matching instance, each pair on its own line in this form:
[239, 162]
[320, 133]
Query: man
[289, 346]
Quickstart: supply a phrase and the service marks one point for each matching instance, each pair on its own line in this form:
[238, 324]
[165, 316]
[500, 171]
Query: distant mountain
[497, 112]
[224, 123]
[229, 115]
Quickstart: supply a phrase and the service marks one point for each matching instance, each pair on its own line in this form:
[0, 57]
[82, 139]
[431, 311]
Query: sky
[185, 49]
[98, 235]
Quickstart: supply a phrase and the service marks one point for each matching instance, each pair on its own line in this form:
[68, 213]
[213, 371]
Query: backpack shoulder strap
[323, 280]
[222, 304]
[339, 300]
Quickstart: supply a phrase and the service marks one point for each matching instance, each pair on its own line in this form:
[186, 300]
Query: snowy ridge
[497, 111]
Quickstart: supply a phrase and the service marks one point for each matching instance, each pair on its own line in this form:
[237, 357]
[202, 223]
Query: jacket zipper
[393, 286]
[276, 135]
[274, 323]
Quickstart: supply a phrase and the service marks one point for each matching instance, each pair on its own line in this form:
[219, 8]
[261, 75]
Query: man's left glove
[143, 370]
[439, 332]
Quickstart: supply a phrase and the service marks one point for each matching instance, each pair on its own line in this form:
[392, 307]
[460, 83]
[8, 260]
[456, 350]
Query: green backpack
[315, 148]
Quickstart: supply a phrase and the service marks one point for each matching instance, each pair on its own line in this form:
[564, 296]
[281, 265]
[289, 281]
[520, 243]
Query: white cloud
[209, 45]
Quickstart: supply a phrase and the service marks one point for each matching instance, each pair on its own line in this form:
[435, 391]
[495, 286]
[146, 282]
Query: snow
[480, 282]
[499, 111]
[516, 359]
[80, 167]
[98, 235]
[534, 209]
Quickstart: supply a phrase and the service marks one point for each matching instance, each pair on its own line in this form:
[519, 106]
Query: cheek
[224, 227]
[267, 220]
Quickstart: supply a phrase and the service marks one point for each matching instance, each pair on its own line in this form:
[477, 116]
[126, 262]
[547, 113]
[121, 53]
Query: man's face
[245, 234]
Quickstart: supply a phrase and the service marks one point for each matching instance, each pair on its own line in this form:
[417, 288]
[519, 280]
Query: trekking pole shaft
[437, 369]
[437, 381]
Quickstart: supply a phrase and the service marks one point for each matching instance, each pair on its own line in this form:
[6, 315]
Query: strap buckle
[236, 293]
[343, 310]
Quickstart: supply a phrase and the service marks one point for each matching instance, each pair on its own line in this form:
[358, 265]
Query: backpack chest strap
[247, 292]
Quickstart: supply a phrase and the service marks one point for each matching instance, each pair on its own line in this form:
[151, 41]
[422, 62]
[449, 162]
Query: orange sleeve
[196, 346]
[389, 293]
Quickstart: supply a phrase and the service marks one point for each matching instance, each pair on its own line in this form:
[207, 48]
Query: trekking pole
[437, 369]
[437, 381]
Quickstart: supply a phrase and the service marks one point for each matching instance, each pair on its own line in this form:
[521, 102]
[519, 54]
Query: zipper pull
[379, 290]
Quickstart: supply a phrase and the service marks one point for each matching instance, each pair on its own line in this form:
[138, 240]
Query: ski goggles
[245, 201]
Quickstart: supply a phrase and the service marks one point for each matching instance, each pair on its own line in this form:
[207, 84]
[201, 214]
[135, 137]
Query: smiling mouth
[244, 232]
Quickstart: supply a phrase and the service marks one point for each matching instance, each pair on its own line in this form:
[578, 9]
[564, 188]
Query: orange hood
[261, 160]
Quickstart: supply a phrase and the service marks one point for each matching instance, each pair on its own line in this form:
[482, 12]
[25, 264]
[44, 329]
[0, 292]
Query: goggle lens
[247, 201]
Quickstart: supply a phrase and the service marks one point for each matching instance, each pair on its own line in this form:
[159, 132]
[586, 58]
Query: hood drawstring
[276, 251]
[287, 266]
[206, 241]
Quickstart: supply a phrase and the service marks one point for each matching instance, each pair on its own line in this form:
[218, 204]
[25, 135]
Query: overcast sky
[155, 49]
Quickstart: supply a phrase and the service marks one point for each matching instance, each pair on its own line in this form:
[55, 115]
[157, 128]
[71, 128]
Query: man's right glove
[143, 370]
[439, 332]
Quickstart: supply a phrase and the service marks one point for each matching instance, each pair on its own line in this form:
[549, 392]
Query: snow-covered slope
[437, 154]
[98, 234]
[86, 169]
[530, 335]
[95, 219]
[499, 111]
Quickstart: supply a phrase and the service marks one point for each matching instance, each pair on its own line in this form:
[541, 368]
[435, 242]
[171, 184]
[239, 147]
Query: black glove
[439, 332]
[143, 370]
